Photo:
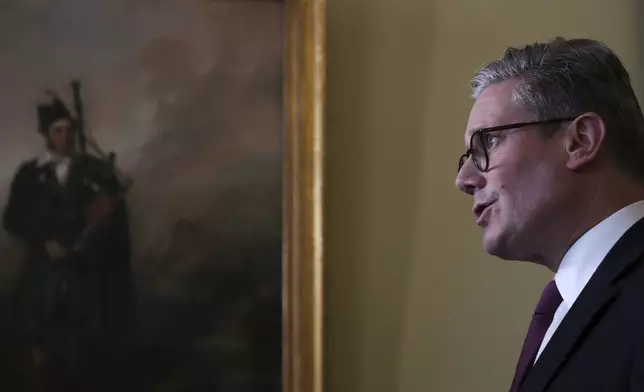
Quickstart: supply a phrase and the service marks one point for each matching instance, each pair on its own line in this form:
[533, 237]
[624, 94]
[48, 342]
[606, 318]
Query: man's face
[516, 200]
[60, 136]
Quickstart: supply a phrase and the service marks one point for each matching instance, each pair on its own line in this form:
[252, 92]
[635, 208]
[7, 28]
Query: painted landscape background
[188, 94]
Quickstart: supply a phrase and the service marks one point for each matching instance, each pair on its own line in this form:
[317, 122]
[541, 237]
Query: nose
[469, 178]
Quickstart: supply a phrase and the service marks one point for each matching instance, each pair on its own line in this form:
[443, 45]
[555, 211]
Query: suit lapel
[48, 178]
[584, 313]
[598, 295]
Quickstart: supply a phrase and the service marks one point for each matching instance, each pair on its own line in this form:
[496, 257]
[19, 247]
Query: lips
[479, 209]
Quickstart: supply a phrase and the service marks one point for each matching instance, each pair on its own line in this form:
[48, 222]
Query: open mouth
[481, 211]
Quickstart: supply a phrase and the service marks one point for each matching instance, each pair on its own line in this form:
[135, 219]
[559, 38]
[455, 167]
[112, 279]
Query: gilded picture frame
[304, 283]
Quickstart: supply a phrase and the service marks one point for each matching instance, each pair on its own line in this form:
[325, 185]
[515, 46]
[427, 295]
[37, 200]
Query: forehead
[60, 123]
[494, 107]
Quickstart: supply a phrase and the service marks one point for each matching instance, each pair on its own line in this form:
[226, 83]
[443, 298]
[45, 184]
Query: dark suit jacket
[91, 290]
[599, 345]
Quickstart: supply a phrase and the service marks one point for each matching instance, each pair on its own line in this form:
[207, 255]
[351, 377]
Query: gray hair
[566, 78]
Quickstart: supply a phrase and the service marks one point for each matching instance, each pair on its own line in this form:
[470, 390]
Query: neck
[60, 154]
[599, 201]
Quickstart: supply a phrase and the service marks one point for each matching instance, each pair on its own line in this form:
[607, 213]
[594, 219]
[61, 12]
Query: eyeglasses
[480, 142]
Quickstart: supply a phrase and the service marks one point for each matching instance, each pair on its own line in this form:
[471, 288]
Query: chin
[493, 250]
[64, 151]
[498, 245]
[507, 247]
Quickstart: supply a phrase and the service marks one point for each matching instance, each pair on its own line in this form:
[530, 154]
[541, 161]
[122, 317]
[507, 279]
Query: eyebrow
[471, 131]
[490, 128]
[503, 127]
[494, 127]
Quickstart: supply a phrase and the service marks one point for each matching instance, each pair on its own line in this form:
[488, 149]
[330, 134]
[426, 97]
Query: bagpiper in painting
[73, 293]
[141, 176]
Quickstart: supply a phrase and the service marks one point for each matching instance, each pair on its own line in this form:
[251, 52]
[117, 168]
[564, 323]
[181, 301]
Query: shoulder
[26, 175]
[630, 297]
[27, 167]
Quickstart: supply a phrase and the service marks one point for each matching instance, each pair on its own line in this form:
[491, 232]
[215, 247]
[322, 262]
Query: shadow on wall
[376, 116]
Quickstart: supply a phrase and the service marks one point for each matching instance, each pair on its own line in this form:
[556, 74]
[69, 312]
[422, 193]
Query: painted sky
[186, 92]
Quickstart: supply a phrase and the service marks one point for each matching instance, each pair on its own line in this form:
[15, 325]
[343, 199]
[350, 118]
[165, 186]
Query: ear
[583, 140]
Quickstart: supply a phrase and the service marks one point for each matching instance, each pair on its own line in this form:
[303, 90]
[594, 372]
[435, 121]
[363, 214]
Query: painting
[160, 189]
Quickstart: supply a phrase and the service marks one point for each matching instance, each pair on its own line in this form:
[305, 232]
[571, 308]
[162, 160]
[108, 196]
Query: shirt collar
[582, 259]
[48, 157]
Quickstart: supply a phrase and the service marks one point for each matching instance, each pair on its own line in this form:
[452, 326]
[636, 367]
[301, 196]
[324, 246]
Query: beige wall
[413, 302]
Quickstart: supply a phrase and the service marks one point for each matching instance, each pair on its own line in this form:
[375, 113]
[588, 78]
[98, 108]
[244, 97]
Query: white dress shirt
[61, 165]
[582, 259]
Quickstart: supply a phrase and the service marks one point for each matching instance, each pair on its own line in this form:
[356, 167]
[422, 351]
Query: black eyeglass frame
[482, 131]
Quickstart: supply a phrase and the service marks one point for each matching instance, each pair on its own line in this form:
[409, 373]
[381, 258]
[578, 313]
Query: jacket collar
[48, 157]
[599, 293]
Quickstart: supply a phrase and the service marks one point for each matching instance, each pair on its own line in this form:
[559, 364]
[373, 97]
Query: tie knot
[550, 299]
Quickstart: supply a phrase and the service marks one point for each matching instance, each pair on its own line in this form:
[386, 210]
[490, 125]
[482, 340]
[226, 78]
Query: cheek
[60, 138]
[525, 192]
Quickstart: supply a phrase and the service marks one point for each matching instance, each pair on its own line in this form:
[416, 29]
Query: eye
[491, 140]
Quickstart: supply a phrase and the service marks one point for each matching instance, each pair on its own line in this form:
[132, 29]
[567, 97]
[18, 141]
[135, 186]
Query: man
[555, 167]
[65, 207]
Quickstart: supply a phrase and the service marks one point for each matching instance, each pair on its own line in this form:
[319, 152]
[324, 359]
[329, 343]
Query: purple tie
[543, 314]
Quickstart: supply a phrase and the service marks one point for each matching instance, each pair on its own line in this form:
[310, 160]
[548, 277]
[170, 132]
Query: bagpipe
[83, 140]
[103, 202]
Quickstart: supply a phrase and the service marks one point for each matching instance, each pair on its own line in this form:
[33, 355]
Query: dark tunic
[72, 309]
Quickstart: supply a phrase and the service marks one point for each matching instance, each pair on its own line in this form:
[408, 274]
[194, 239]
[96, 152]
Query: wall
[413, 303]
